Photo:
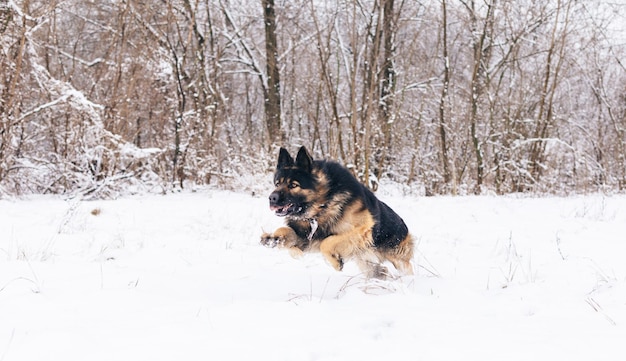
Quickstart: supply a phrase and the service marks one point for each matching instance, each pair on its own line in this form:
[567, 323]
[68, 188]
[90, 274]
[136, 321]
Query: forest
[108, 97]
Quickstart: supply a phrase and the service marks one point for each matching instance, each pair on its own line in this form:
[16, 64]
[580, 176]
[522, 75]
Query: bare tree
[481, 30]
[551, 79]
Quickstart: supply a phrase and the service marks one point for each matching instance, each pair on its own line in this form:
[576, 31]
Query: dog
[328, 210]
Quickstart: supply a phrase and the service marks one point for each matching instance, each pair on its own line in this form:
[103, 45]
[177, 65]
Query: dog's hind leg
[401, 256]
[369, 263]
[406, 267]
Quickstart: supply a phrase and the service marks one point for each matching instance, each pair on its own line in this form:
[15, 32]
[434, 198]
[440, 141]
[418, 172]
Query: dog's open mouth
[284, 210]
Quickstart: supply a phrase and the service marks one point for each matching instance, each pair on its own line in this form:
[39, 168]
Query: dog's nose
[274, 197]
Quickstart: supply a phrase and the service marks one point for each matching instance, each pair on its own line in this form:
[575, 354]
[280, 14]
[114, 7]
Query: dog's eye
[293, 185]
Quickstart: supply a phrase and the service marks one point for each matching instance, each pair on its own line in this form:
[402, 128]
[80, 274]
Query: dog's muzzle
[280, 207]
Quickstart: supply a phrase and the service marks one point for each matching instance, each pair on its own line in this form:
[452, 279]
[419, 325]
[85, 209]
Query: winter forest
[106, 97]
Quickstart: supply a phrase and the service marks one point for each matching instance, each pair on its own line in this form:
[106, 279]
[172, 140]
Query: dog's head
[295, 184]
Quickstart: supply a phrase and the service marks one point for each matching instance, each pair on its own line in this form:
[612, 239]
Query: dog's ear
[284, 159]
[304, 160]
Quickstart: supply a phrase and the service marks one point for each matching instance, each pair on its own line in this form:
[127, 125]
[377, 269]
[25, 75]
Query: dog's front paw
[271, 241]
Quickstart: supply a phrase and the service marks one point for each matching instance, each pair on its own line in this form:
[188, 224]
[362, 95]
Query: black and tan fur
[328, 210]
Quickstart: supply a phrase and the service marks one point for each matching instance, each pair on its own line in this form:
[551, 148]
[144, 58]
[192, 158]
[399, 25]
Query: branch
[253, 63]
[96, 61]
[42, 107]
[536, 140]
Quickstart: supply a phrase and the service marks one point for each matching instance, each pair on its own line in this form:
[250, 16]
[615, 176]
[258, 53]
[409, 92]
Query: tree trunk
[447, 176]
[388, 82]
[272, 93]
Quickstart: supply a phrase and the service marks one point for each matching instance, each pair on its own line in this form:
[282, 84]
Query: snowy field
[183, 277]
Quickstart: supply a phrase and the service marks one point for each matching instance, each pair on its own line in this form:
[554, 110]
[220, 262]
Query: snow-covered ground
[183, 277]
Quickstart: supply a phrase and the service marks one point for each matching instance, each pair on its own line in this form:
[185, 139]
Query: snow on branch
[43, 107]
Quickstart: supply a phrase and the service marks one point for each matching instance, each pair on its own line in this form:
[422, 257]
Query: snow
[183, 277]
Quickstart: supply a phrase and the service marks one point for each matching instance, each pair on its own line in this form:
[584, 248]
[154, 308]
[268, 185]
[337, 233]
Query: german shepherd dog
[328, 210]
